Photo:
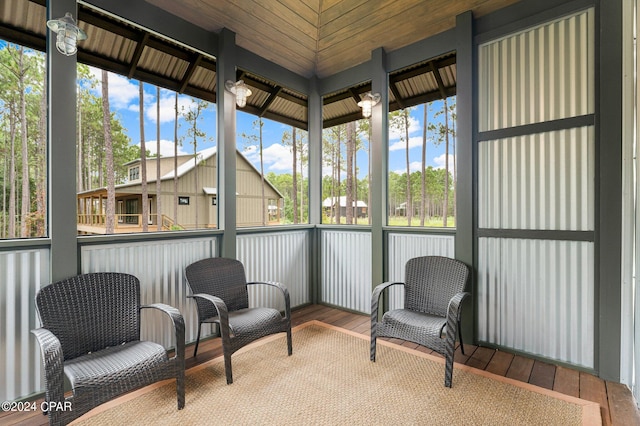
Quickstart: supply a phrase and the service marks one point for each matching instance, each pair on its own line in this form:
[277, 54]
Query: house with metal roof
[188, 196]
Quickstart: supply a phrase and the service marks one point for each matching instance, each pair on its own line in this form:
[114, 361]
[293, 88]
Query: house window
[183, 201]
[134, 173]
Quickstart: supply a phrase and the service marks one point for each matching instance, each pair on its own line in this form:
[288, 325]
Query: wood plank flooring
[616, 401]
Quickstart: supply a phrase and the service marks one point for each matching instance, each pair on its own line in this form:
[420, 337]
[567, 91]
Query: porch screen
[536, 172]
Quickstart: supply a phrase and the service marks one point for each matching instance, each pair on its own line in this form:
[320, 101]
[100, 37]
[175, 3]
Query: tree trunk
[80, 172]
[370, 183]
[337, 202]
[110, 221]
[175, 163]
[12, 175]
[408, 209]
[143, 165]
[423, 185]
[349, 184]
[40, 170]
[294, 189]
[158, 211]
[445, 207]
[264, 207]
[25, 210]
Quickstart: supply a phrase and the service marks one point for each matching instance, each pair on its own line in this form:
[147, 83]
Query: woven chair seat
[254, 321]
[118, 364]
[411, 322]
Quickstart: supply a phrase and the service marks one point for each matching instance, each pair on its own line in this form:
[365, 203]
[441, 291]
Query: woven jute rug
[329, 380]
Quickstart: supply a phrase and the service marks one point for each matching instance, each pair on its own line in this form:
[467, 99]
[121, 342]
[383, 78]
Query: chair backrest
[221, 277]
[431, 282]
[91, 312]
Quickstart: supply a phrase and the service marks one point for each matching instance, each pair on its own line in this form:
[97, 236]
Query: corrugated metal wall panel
[539, 181]
[22, 272]
[159, 265]
[346, 269]
[282, 257]
[541, 74]
[537, 296]
[403, 247]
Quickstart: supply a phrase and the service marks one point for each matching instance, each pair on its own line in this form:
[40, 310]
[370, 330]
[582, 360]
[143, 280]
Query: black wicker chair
[434, 291]
[91, 333]
[220, 290]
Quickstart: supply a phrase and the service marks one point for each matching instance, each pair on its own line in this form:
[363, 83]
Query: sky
[124, 101]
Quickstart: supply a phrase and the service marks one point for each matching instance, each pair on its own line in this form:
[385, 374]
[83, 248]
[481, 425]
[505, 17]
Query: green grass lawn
[433, 222]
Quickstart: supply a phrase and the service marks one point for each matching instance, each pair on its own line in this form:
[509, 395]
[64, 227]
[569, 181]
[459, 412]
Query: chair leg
[372, 354]
[289, 346]
[448, 370]
[180, 388]
[195, 351]
[460, 337]
[227, 367]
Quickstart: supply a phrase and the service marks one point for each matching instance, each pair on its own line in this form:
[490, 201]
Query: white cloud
[276, 157]
[414, 142]
[440, 162]
[122, 91]
[414, 126]
[167, 106]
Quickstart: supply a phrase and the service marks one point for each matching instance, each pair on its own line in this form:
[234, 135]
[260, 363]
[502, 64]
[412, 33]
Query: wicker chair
[220, 290]
[434, 291]
[91, 333]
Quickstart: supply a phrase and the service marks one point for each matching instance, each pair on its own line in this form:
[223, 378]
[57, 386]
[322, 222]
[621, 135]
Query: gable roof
[185, 168]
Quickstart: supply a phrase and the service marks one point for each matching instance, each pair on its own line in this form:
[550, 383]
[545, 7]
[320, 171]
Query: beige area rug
[329, 380]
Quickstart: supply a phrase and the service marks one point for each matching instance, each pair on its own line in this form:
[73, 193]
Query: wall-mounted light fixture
[368, 101]
[68, 34]
[239, 89]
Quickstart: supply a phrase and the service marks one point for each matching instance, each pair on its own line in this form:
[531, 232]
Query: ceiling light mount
[68, 34]
[240, 90]
[369, 100]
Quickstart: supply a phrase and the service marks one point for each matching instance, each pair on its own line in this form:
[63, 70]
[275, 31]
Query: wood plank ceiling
[308, 37]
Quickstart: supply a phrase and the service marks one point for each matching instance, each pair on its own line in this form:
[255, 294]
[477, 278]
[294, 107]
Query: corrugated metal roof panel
[114, 44]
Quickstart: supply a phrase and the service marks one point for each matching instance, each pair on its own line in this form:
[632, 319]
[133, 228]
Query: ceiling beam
[273, 95]
[436, 73]
[355, 95]
[137, 54]
[396, 94]
[193, 64]
[345, 94]
[22, 37]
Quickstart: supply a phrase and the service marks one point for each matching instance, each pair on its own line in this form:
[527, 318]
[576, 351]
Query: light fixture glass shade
[240, 90]
[68, 34]
[367, 103]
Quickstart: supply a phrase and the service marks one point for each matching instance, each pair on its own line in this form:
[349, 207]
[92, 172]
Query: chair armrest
[53, 360]
[454, 310]
[375, 299]
[285, 294]
[178, 324]
[223, 313]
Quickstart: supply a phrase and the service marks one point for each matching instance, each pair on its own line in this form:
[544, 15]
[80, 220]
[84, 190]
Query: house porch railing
[125, 220]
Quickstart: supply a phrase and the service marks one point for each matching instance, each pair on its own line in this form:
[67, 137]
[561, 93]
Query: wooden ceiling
[323, 37]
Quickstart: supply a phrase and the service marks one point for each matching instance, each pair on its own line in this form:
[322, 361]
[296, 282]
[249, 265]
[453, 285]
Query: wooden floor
[616, 401]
